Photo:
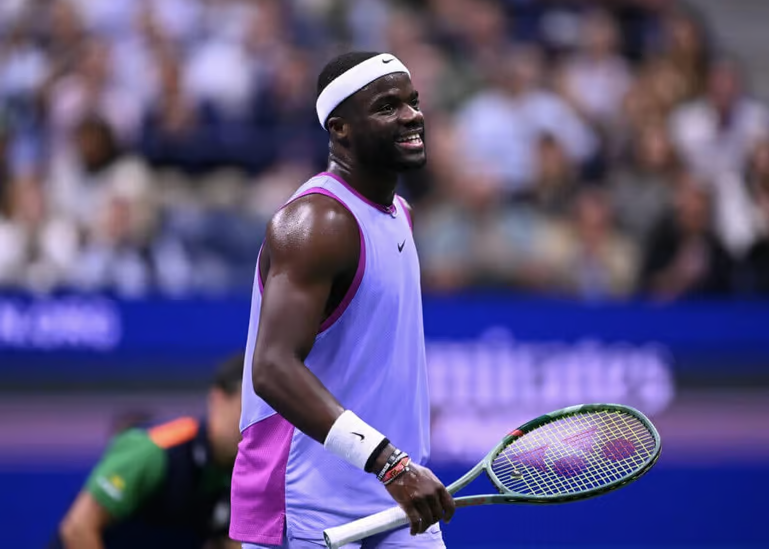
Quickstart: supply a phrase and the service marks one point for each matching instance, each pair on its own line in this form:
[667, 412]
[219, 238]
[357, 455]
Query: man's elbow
[264, 375]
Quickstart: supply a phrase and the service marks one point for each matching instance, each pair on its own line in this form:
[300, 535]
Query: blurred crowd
[592, 149]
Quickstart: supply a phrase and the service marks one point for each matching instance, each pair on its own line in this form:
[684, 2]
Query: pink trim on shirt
[384, 209]
[258, 494]
[357, 279]
[259, 269]
[405, 212]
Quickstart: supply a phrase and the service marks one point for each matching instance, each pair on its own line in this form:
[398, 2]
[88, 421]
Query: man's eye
[386, 108]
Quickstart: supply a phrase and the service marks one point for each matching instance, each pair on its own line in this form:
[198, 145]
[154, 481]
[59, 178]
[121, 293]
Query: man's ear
[339, 129]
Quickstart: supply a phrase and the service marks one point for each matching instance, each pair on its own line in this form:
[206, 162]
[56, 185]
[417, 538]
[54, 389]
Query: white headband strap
[354, 79]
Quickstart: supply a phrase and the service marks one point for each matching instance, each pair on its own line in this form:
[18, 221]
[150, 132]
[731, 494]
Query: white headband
[349, 82]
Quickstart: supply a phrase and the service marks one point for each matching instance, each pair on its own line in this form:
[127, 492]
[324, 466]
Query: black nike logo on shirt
[388, 60]
[359, 435]
[401, 245]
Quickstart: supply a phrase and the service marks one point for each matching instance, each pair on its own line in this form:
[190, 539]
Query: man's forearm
[77, 537]
[293, 391]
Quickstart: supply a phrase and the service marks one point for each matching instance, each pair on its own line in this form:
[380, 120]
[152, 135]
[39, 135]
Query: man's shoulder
[316, 201]
[313, 235]
[311, 219]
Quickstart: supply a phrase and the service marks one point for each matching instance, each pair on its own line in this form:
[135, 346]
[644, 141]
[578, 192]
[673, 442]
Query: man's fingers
[448, 504]
[436, 506]
[425, 512]
[414, 517]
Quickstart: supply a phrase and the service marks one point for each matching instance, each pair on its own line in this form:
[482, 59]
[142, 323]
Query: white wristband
[352, 439]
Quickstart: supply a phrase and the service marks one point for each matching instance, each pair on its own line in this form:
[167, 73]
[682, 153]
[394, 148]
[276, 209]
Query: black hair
[338, 66]
[229, 374]
[99, 128]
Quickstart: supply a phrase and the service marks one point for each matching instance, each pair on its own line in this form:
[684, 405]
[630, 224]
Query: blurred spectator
[684, 258]
[556, 180]
[642, 187]
[596, 79]
[139, 53]
[715, 132]
[23, 66]
[363, 21]
[284, 113]
[595, 261]
[686, 48]
[4, 167]
[715, 135]
[501, 124]
[99, 169]
[37, 249]
[62, 32]
[481, 32]
[218, 72]
[176, 131]
[91, 88]
[443, 80]
[649, 100]
[754, 272]
[107, 194]
[10, 11]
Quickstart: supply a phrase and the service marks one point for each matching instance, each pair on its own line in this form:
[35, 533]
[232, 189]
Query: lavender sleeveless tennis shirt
[370, 354]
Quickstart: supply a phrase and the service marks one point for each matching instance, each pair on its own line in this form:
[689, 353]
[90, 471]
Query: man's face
[386, 126]
[224, 411]
[91, 146]
[724, 86]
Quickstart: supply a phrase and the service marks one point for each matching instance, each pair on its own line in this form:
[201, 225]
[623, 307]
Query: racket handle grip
[371, 525]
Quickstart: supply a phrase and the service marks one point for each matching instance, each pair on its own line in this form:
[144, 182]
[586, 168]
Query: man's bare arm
[311, 243]
[83, 525]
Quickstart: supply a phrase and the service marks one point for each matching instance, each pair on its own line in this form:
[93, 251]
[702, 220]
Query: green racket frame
[338, 536]
[507, 496]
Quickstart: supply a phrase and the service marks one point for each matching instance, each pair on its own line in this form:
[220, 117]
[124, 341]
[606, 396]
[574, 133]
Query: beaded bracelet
[391, 461]
[401, 467]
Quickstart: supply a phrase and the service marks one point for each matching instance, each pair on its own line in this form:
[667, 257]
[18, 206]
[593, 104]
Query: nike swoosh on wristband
[359, 435]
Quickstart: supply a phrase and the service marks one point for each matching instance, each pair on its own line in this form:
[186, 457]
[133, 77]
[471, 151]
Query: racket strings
[598, 469]
[575, 454]
[537, 458]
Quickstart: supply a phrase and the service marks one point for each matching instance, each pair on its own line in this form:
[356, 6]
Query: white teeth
[410, 139]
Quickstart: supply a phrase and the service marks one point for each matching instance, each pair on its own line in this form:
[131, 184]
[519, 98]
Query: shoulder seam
[174, 432]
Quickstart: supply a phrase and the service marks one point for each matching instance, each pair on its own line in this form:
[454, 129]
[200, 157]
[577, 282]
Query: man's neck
[376, 185]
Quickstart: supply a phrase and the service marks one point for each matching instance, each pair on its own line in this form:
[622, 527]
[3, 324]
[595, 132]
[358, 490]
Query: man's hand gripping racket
[568, 455]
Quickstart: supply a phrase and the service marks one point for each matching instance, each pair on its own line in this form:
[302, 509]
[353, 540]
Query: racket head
[574, 453]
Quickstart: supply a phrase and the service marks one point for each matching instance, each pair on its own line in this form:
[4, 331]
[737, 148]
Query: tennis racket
[571, 454]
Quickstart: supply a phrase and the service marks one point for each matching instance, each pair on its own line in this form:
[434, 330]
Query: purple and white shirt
[370, 354]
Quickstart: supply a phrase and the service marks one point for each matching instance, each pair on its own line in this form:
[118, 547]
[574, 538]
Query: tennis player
[164, 485]
[335, 418]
